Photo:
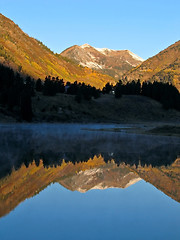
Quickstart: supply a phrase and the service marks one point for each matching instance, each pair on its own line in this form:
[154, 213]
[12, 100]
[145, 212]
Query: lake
[88, 181]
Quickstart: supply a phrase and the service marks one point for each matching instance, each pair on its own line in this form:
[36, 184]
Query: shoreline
[166, 128]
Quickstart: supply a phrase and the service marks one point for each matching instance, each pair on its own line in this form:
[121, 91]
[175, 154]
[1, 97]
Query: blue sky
[141, 26]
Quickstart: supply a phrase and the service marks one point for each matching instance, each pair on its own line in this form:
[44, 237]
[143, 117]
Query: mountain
[29, 56]
[111, 62]
[164, 67]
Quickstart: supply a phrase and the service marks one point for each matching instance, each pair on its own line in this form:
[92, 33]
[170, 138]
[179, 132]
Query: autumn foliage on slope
[163, 67]
[31, 57]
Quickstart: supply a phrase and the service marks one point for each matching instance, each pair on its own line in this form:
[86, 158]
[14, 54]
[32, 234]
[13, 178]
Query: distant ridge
[111, 62]
[164, 67]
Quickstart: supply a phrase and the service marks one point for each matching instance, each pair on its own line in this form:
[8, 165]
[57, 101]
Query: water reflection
[34, 156]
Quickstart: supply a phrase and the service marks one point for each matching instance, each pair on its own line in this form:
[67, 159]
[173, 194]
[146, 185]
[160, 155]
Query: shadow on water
[24, 143]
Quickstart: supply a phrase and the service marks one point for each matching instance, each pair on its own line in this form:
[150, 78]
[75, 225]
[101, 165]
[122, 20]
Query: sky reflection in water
[139, 211]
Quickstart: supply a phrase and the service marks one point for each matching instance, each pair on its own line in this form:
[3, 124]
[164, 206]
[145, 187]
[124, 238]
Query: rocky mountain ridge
[104, 60]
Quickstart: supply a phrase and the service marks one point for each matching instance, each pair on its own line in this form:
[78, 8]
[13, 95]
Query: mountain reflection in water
[34, 156]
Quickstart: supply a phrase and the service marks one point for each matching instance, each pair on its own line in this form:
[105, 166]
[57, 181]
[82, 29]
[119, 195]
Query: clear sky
[144, 27]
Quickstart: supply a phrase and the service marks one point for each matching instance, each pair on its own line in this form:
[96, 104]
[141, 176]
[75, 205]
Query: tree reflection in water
[33, 157]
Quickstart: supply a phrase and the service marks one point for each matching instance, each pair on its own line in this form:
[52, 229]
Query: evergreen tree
[118, 89]
[39, 85]
[30, 84]
[60, 85]
[26, 106]
[49, 88]
[108, 87]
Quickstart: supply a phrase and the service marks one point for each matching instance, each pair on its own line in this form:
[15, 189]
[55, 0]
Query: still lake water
[71, 181]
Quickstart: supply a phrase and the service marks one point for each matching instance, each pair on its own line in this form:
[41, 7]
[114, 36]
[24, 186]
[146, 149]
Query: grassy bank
[106, 109]
[64, 108]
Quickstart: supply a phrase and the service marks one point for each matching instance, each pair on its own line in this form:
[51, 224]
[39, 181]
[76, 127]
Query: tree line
[16, 91]
[165, 93]
[53, 159]
[51, 86]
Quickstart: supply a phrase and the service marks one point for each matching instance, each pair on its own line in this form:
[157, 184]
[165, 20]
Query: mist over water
[78, 139]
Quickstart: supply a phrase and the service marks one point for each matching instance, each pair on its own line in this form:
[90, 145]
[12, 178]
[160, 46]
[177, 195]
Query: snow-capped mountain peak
[86, 45]
[104, 50]
[108, 61]
[135, 56]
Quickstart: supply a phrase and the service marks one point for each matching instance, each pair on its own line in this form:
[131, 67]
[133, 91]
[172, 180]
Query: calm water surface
[69, 181]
